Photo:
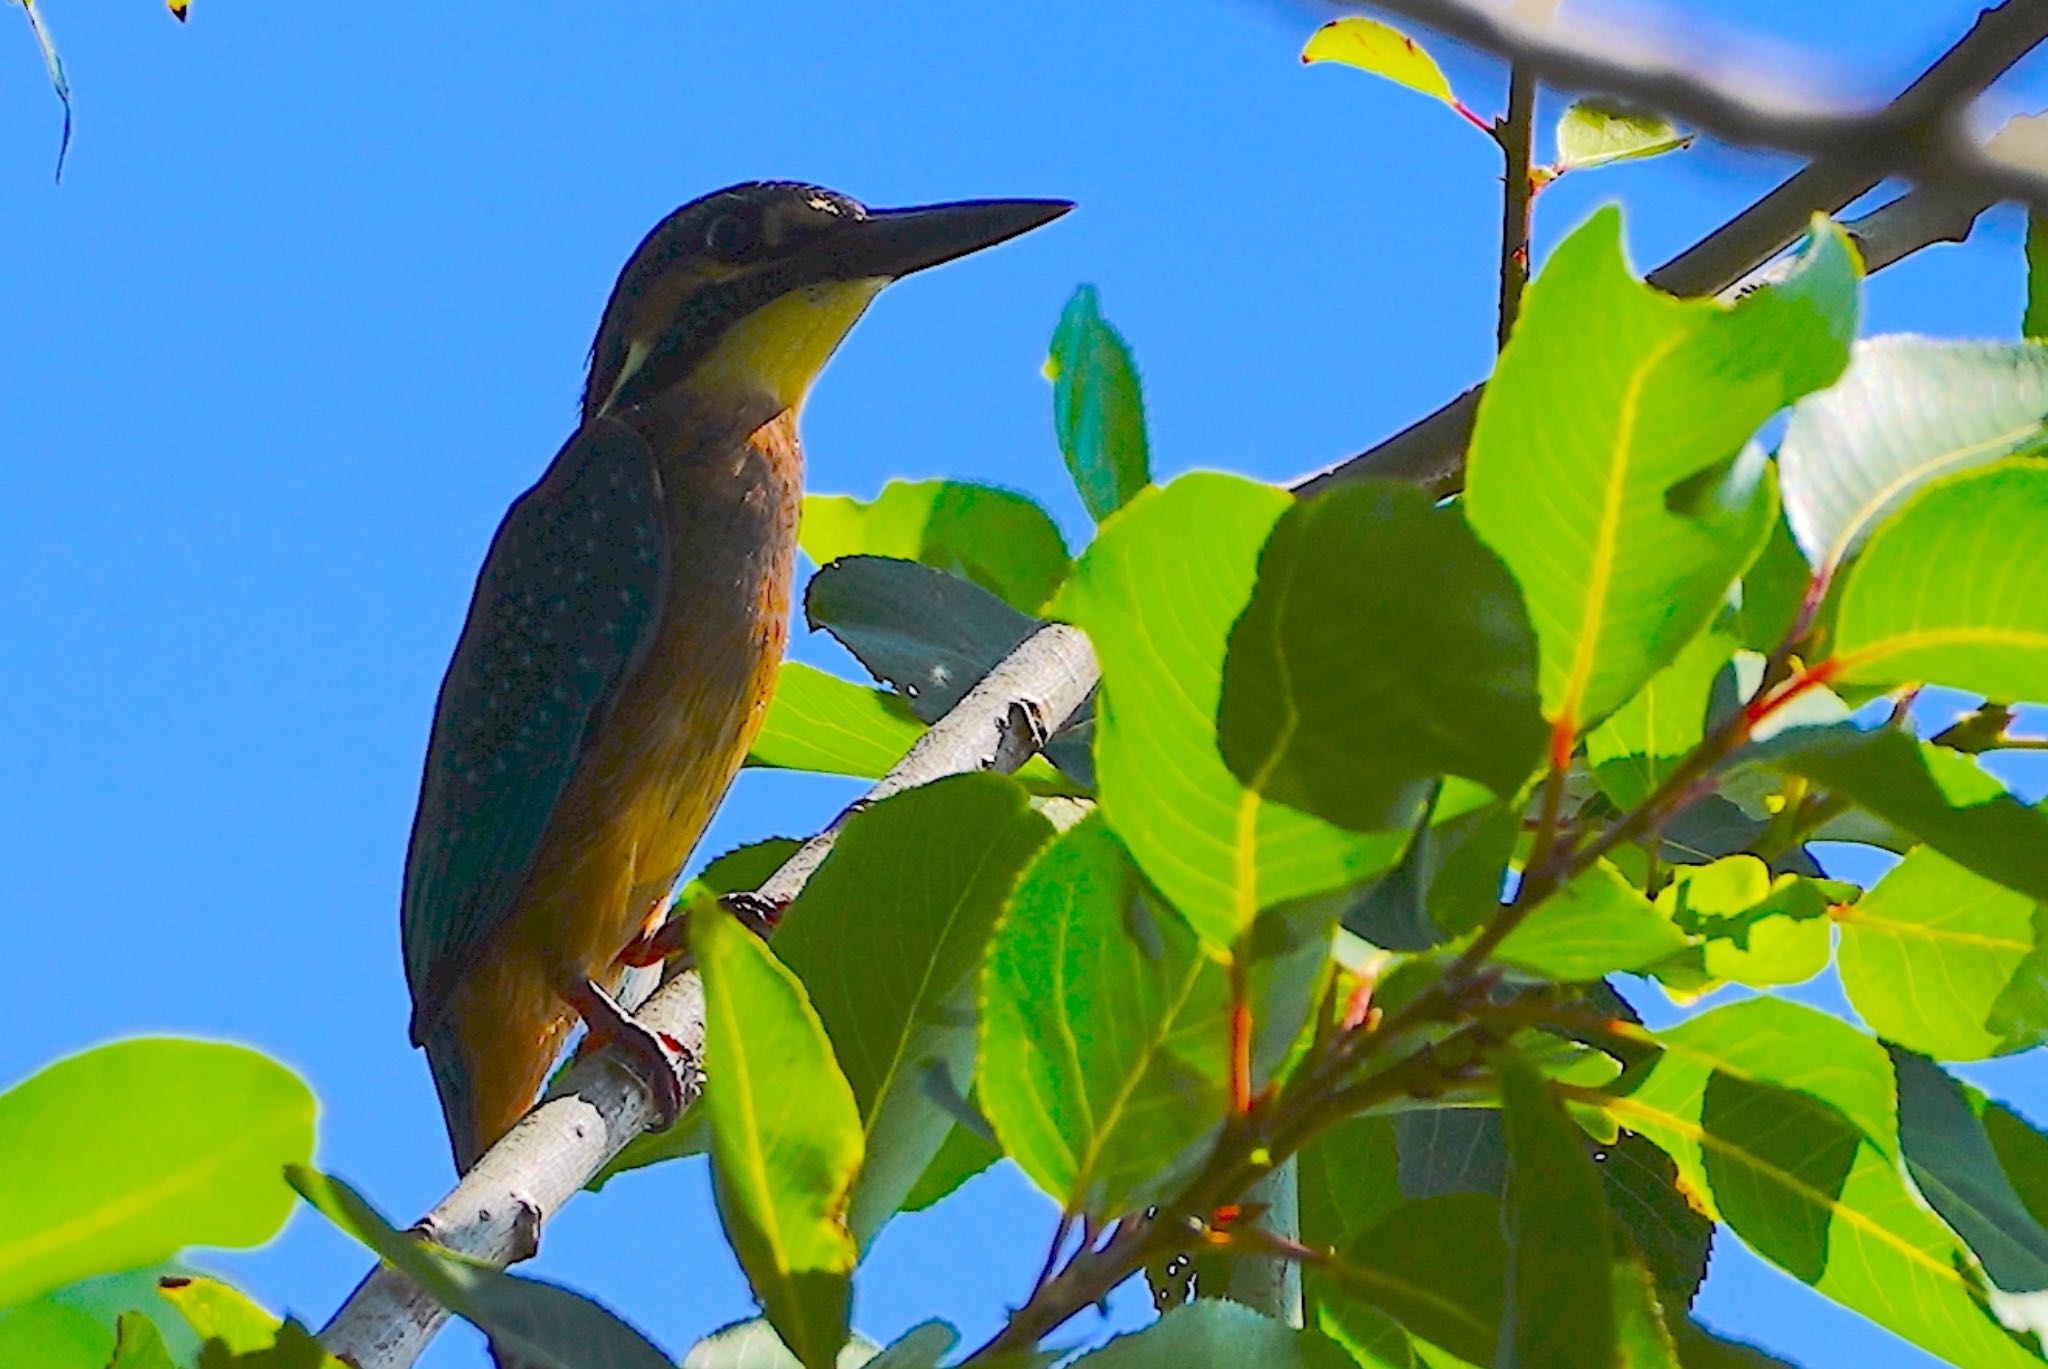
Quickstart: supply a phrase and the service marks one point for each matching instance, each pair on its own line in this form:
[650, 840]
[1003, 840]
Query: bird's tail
[455, 1081]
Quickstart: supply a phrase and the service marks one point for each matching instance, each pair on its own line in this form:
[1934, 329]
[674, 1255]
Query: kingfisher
[625, 632]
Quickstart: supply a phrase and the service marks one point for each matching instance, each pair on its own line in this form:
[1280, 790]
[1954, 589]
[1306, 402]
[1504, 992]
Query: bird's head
[747, 291]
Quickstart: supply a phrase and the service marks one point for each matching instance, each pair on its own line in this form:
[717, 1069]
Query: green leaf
[49, 1335]
[1752, 929]
[1615, 477]
[821, 723]
[220, 1313]
[537, 1325]
[921, 1347]
[1782, 1120]
[1941, 797]
[1591, 134]
[1382, 50]
[998, 539]
[1559, 1308]
[931, 636]
[1645, 739]
[743, 869]
[754, 1345]
[1437, 1266]
[139, 1149]
[963, 1154]
[1098, 412]
[1212, 1334]
[1672, 1236]
[1383, 646]
[2034, 323]
[1157, 593]
[1955, 1168]
[1596, 925]
[1699, 1348]
[139, 1345]
[1642, 1340]
[1105, 1033]
[785, 1137]
[1980, 625]
[1946, 962]
[1350, 1176]
[1774, 589]
[948, 853]
[294, 1347]
[1908, 410]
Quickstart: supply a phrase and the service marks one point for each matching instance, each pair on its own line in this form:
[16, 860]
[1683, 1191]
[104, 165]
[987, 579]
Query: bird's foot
[758, 914]
[658, 1059]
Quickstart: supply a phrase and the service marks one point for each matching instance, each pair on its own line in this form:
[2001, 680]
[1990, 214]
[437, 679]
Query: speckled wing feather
[565, 602]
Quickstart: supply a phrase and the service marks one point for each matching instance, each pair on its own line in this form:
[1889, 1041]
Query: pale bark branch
[599, 1104]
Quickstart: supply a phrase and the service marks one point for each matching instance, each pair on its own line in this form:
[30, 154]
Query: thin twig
[1517, 137]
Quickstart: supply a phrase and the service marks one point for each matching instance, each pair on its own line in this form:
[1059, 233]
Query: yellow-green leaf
[1383, 50]
[1591, 134]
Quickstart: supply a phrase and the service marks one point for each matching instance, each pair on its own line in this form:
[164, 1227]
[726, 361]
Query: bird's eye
[729, 237]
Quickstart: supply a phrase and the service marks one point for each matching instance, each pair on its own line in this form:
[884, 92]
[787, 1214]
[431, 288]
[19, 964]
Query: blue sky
[310, 308]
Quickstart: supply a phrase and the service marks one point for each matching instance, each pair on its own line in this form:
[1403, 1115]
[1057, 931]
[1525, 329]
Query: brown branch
[599, 1105]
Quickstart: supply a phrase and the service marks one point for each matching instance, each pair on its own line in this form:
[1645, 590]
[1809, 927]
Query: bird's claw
[658, 1060]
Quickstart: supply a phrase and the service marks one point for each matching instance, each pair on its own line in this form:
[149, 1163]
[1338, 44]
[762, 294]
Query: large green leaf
[139, 1345]
[1981, 624]
[822, 723]
[533, 1324]
[221, 1315]
[1596, 925]
[1098, 412]
[1946, 962]
[1644, 740]
[2034, 320]
[893, 980]
[1157, 593]
[1907, 411]
[1105, 1035]
[1609, 465]
[131, 1152]
[785, 1137]
[1559, 1309]
[1783, 1121]
[999, 539]
[1438, 1266]
[1956, 1169]
[50, 1335]
[1383, 646]
[1211, 1334]
[1941, 797]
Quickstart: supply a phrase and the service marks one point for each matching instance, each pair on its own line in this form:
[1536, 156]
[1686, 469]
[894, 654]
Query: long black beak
[896, 242]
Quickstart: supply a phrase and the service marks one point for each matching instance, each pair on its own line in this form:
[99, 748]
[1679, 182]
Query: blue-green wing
[563, 607]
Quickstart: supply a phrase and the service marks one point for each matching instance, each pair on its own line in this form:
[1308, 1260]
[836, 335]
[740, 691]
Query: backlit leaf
[1612, 465]
[139, 1149]
[1098, 412]
[1382, 50]
[822, 723]
[1591, 134]
[996, 538]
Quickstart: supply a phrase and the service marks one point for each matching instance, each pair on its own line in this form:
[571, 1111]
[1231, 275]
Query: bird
[625, 631]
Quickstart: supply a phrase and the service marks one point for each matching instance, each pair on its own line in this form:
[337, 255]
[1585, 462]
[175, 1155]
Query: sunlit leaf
[754, 1345]
[1591, 134]
[1382, 50]
[963, 1154]
[539, 1325]
[995, 538]
[1645, 739]
[1982, 623]
[785, 1137]
[1783, 1120]
[1908, 410]
[139, 1149]
[139, 1345]
[1383, 646]
[1618, 480]
[1104, 1042]
[223, 1316]
[50, 1335]
[1596, 925]
[1158, 602]
[1946, 962]
[1098, 412]
[822, 723]
[1559, 1311]
[948, 853]
[1752, 929]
